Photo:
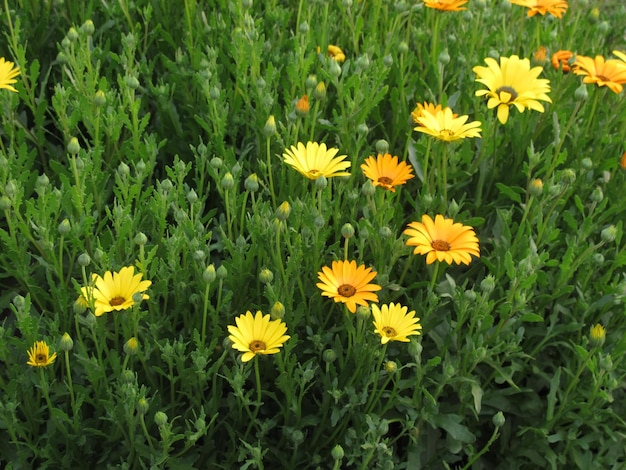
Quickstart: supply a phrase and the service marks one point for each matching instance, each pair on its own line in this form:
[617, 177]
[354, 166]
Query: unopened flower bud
[222, 272]
[364, 312]
[228, 181]
[391, 367]
[608, 234]
[319, 221]
[131, 82]
[337, 453]
[362, 129]
[319, 93]
[403, 47]
[598, 258]
[581, 93]
[498, 419]
[302, 106]
[72, 34]
[216, 163]
[88, 27]
[597, 195]
[283, 211]
[64, 227]
[382, 146]
[142, 406]
[311, 82]
[385, 232]
[586, 163]
[160, 418]
[347, 231]
[388, 60]
[321, 182]
[488, 284]
[329, 355]
[84, 259]
[277, 312]
[209, 274]
[444, 57]
[266, 276]
[66, 343]
[192, 196]
[252, 183]
[131, 346]
[99, 98]
[334, 68]
[568, 176]
[73, 147]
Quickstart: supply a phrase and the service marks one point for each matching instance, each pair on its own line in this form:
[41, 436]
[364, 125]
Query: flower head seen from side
[555, 8]
[385, 171]
[347, 283]
[560, 60]
[39, 355]
[115, 290]
[443, 125]
[443, 240]
[257, 334]
[8, 72]
[335, 53]
[315, 160]
[394, 322]
[446, 5]
[512, 82]
[610, 73]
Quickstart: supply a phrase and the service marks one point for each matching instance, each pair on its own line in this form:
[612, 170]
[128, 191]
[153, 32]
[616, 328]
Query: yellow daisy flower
[39, 355]
[610, 73]
[620, 55]
[512, 83]
[257, 335]
[555, 7]
[443, 240]
[431, 108]
[114, 291]
[446, 5]
[335, 53]
[385, 171]
[346, 283]
[316, 160]
[444, 126]
[8, 72]
[393, 323]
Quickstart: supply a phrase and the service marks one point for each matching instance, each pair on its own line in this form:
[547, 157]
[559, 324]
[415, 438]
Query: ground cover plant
[312, 234]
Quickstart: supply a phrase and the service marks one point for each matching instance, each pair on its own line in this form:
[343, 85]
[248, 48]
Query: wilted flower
[560, 60]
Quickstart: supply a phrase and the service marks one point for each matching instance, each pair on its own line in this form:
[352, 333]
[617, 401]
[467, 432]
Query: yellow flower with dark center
[610, 73]
[8, 72]
[444, 126]
[446, 5]
[257, 334]
[114, 291]
[554, 7]
[39, 355]
[316, 160]
[512, 83]
[394, 323]
[335, 53]
[443, 240]
[560, 60]
[347, 283]
[385, 171]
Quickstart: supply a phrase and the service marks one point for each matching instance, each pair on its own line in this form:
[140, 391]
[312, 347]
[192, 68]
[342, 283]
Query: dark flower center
[40, 358]
[508, 91]
[440, 245]
[389, 331]
[314, 173]
[115, 301]
[446, 132]
[257, 345]
[385, 180]
[346, 290]
[603, 78]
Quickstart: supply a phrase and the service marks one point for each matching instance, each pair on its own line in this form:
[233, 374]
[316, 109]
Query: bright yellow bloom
[7, 74]
[444, 126]
[597, 335]
[443, 240]
[393, 323]
[512, 83]
[446, 5]
[257, 335]
[316, 160]
[560, 60]
[385, 171]
[610, 73]
[348, 284]
[39, 355]
[620, 55]
[114, 291]
[555, 7]
[431, 108]
[335, 53]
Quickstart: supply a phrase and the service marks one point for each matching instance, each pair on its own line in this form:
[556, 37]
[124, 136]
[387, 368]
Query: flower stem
[435, 276]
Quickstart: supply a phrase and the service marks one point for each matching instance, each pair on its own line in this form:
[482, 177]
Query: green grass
[132, 141]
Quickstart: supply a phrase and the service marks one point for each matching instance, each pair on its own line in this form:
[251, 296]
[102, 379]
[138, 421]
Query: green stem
[269, 171]
[205, 311]
[435, 276]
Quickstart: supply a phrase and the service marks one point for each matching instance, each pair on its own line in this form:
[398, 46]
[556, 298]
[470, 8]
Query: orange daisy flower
[347, 283]
[446, 5]
[554, 7]
[610, 73]
[385, 171]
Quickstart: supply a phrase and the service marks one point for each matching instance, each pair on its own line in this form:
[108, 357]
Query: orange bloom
[622, 161]
[302, 106]
[446, 5]
[610, 73]
[347, 283]
[554, 7]
[385, 171]
[560, 60]
[540, 55]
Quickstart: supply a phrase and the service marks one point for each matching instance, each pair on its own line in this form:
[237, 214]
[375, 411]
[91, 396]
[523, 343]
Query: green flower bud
[598, 258]
[536, 187]
[568, 176]
[488, 284]
[444, 57]
[66, 343]
[216, 162]
[5, 203]
[277, 312]
[608, 234]
[131, 346]
[140, 239]
[222, 272]
[388, 60]
[597, 335]
[364, 312]
[586, 163]
[319, 93]
[311, 82]
[498, 419]
[266, 276]
[64, 227]
[329, 355]
[334, 68]
[347, 231]
[297, 437]
[209, 274]
[368, 188]
[252, 183]
[73, 147]
[304, 27]
[84, 259]
[581, 93]
[43, 181]
[319, 221]
[128, 377]
[99, 99]
[385, 232]
[283, 211]
[337, 452]
[214, 93]
[123, 170]
[270, 126]
[362, 129]
[228, 181]
[72, 34]
[403, 47]
[131, 82]
[88, 27]
[191, 196]
[142, 406]
[382, 146]
[597, 195]
[391, 367]
[321, 182]
[160, 418]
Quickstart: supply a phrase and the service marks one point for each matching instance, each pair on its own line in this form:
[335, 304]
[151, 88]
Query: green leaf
[531, 318]
[512, 192]
[451, 423]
